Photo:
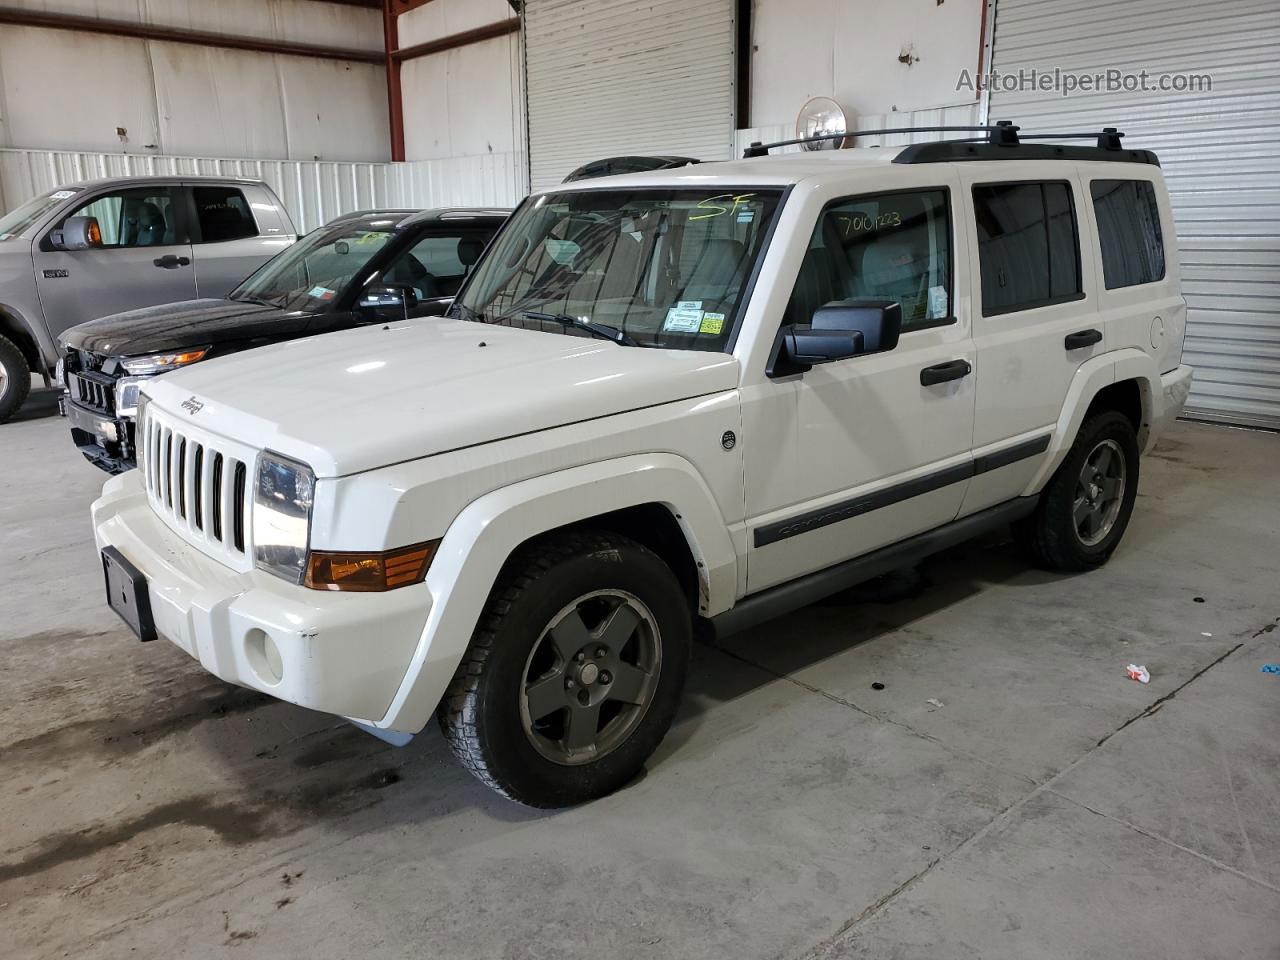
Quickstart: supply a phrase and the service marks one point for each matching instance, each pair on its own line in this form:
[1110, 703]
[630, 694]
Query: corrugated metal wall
[312, 191]
[611, 77]
[1220, 151]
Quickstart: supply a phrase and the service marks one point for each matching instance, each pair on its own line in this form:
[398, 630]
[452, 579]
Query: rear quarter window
[223, 214]
[1129, 232]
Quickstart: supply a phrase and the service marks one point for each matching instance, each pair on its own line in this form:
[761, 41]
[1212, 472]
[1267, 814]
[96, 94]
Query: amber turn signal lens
[95, 234]
[369, 572]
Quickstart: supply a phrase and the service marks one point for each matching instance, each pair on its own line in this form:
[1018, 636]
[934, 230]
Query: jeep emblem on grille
[192, 406]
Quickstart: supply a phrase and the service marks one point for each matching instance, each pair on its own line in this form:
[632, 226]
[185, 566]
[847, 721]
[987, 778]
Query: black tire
[1051, 536]
[484, 712]
[15, 378]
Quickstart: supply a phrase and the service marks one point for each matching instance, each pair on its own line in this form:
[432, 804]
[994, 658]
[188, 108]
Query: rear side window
[886, 246]
[223, 214]
[1028, 245]
[437, 264]
[1129, 231]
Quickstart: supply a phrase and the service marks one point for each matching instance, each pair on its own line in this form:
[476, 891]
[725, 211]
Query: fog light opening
[264, 657]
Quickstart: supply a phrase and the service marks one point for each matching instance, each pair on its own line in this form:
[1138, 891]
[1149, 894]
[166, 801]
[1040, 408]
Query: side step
[794, 594]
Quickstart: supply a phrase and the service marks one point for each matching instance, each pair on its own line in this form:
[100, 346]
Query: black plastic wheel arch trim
[857, 506]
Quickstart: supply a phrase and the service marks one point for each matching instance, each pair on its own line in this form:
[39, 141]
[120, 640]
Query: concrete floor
[1045, 806]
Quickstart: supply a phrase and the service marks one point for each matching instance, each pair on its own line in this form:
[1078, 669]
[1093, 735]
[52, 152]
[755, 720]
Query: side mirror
[840, 329]
[78, 233]
[389, 298]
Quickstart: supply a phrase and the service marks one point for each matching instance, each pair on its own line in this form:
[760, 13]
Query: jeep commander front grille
[199, 490]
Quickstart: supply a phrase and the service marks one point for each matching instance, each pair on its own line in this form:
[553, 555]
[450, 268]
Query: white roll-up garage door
[616, 77]
[1220, 149]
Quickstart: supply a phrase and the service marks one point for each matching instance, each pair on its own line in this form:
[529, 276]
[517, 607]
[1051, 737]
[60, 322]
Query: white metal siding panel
[613, 77]
[312, 191]
[1220, 151]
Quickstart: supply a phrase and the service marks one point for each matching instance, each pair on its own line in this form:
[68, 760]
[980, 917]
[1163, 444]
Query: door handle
[943, 372]
[171, 261]
[1082, 339]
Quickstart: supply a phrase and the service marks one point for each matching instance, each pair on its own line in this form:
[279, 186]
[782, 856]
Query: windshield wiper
[598, 329]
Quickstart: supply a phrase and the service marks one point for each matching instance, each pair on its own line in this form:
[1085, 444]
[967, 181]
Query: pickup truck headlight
[283, 493]
[127, 395]
[162, 362]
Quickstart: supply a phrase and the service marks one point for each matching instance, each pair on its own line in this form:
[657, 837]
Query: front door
[145, 259]
[859, 453]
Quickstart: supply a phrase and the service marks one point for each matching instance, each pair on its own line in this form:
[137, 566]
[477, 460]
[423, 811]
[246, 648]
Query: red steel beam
[145, 31]
[395, 96]
[454, 40]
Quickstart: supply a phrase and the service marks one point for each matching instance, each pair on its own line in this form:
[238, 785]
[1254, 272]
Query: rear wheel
[574, 673]
[1085, 509]
[15, 378]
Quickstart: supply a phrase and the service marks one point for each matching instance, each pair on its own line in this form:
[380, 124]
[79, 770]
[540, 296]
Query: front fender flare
[485, 533]
[1094, 375]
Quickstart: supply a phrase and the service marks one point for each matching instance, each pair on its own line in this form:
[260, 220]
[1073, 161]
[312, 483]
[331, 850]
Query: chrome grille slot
[199, 485]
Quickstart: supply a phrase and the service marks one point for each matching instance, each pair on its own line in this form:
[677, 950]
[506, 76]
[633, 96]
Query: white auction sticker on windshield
[321, 293]
[62, 195]
[684, 319]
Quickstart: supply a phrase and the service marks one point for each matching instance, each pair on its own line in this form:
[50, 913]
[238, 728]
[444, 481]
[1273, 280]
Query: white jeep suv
[704, 395]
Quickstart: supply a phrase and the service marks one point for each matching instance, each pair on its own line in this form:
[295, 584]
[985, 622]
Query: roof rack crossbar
[1003, 133]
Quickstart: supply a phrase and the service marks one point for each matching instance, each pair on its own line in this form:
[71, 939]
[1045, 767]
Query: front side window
[17, 220]
[1129, 232]
[437, 264]
[665, 268]
[141, 217]
[889, 246]
[1028, 247]
[317, 269]
[223, 214]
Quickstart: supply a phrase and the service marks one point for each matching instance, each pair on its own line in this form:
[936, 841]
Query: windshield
[15, 221]
[667, 268]
[318, 268]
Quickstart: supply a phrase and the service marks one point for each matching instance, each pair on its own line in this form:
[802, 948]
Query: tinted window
[891, 246]
[1027, 245]
[437, 264]
[317, 269]
[224, 214]
[1129, 231]
[142, 217]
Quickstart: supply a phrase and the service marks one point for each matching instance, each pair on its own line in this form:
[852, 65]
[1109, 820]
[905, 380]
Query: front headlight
[127, 395]
[283, 494]
[163, 362]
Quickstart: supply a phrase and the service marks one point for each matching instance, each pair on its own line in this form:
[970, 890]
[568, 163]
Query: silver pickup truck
[101, 247]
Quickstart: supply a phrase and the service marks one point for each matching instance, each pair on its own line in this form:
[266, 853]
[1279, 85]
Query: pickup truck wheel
[15, 380]
[1084, 510]
[574, 672]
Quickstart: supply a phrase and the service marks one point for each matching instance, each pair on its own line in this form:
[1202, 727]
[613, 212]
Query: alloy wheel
[1099, 493]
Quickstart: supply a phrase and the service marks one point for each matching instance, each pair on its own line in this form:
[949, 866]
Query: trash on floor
[935, 703]
[1271, 668]
[1139, 673]
[877, 685]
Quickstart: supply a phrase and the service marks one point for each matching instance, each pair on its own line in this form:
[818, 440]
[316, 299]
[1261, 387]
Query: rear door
[229, 239]
[145, 258]
[1035, 319]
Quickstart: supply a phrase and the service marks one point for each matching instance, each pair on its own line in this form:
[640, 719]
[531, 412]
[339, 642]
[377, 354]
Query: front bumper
[340, 653]
[105, 441]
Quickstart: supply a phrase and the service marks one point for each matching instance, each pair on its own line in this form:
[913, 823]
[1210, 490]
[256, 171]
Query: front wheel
[1085, 508]
[574, 673]
[15, 379]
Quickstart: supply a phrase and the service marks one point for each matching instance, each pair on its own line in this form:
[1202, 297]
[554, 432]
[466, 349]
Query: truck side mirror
[838, 330]
[78, 233]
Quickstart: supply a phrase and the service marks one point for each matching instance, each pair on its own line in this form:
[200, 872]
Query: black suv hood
[232, 324]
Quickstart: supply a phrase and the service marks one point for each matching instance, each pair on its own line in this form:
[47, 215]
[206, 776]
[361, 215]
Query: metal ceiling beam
[145, 31]
[462, 39]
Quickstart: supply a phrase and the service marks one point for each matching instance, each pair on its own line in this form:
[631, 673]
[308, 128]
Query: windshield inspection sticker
[685, 317]
[322, 293]
[712, 322]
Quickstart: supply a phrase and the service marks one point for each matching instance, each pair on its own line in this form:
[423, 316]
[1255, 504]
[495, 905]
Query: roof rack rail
[1003, 133]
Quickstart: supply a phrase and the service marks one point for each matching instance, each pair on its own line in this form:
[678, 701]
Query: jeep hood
[361, 399]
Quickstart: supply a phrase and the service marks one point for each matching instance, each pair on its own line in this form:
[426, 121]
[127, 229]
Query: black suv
[365, 267]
